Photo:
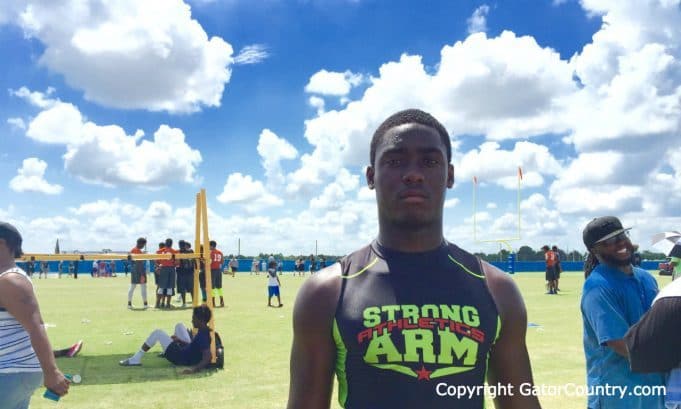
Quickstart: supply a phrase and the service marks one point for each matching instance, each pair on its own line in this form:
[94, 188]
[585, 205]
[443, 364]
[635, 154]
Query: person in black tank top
[409, 318]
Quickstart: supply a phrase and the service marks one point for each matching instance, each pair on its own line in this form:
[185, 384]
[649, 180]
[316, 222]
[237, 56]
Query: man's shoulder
[323, 284]
[318, 297]
[644, 275]
[596, 280]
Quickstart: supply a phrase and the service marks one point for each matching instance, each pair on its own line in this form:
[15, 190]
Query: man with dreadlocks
[615, 296]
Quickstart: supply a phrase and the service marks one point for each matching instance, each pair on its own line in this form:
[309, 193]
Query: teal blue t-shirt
[612, 301]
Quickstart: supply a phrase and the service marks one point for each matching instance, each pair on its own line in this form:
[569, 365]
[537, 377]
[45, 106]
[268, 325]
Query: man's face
[616, 250]
[411, 174]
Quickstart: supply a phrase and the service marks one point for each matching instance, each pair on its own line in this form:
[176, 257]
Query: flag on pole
[56, 247]
[475, 180]
[520, 173]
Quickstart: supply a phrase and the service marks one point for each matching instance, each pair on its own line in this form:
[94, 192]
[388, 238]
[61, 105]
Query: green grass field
[257, 342]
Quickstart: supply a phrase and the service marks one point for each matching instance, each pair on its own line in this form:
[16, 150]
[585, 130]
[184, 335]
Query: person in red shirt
[550, 258]
[216, 260]
[139, 274]
[167, 276]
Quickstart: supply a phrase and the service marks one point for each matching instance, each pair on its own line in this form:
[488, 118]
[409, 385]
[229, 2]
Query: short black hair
[161, 245]
[213, 243]
[169, 242]
[12, 238]
[141, 242]
[202, 312]
[410, 116]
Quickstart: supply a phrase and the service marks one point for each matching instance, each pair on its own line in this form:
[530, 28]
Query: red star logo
[423, 373]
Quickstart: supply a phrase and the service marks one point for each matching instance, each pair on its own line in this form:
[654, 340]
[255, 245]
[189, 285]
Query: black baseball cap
[602, 228]
[12, 237]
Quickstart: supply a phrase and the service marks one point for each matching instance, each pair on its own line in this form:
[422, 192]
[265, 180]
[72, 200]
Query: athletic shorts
[139, 274]
[550, 273]
[273, 290]
[216, 278]
[175, 355]
[185, 282]
[167, 279]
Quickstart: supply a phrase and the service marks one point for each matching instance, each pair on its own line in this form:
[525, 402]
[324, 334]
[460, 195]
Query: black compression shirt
[409, 325]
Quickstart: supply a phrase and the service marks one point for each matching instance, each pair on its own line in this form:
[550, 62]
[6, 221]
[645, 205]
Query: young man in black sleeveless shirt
[410, 320]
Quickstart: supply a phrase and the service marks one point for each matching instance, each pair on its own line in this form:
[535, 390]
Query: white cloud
[9, 10]
[611, 199]
[31, 178]
[107, 155]
[478, 21]
[60, 124]
[17, 123]
[272, 150]
[449, 203]
[333, 83]
[131, 54]
[482, 86]
[491, 205]
[35, 98]
[489, 163]
[251, 54]
[317, 103]
[334, 194]
[247, 192]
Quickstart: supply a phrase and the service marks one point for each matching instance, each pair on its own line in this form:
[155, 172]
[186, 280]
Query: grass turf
[257, 342]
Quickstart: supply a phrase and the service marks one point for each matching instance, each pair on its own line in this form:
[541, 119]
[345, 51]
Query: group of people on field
[176, 273]
[553, 269]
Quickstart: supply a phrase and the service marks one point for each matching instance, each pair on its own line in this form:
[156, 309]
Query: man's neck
[412, 240]
[626, 269]
[6, 265]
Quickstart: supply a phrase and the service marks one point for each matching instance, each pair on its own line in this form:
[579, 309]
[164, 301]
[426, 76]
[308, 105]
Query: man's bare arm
[619, 347]
[509, 360]
[313, 352]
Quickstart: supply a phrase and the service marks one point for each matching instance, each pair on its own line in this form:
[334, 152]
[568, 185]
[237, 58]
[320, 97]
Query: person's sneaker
[75, 349]
[146, 306]
[127, 362]
[130, 306]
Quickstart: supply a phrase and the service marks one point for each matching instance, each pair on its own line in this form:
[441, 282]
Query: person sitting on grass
[181, 348]
[273, 284]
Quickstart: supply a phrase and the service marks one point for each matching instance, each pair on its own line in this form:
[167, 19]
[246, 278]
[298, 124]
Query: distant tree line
[524, 253]
[280, 256]
[527, 253]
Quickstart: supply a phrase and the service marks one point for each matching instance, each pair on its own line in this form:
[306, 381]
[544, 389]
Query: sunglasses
[612, 240]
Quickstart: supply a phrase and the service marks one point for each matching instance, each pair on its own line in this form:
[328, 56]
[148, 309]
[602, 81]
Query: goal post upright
[505, 241]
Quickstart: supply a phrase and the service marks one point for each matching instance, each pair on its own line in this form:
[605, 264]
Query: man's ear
[370, 177]
[450, 176]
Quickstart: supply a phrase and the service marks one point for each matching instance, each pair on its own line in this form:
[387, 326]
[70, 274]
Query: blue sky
[115, 115]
